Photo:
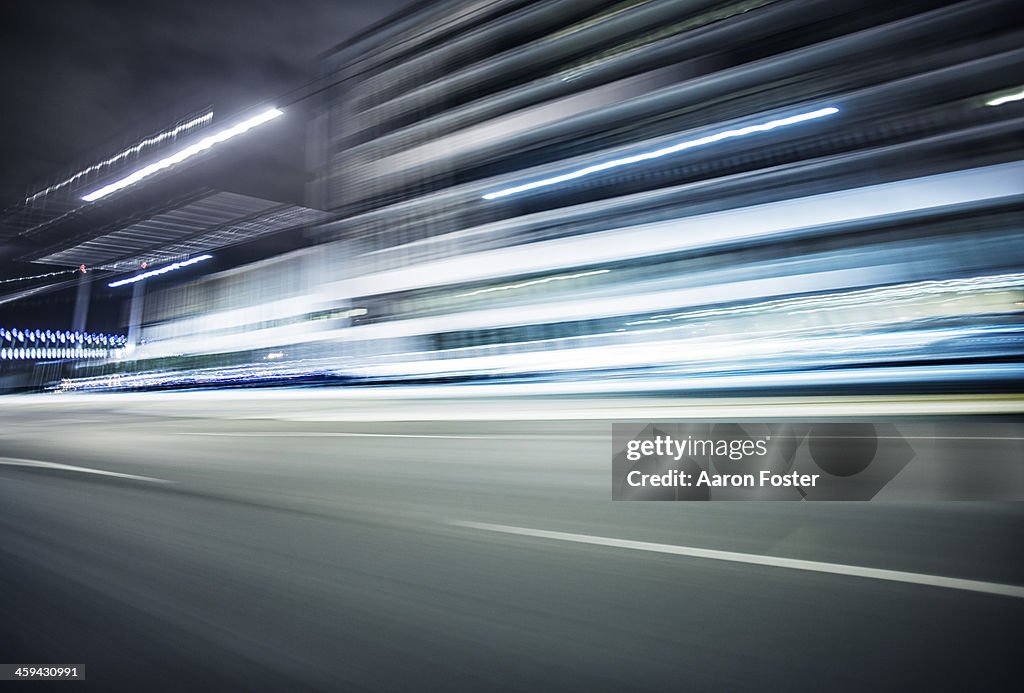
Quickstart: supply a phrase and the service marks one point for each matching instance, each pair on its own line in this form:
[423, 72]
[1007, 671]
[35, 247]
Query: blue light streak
[158, 272]
[678, 147]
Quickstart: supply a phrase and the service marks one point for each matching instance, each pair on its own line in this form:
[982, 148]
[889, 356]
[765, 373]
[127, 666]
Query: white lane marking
[757, 559]
[39, 464]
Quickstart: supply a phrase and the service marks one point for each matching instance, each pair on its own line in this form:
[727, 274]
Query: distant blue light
[157, 272]
[42, 344]
[688, 144]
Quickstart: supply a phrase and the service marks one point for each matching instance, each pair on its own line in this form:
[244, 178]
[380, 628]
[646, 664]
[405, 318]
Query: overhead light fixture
[157, 272]
[183, 154]
[678, 147]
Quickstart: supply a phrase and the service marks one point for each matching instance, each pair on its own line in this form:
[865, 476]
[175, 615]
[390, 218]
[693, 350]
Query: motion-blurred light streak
[877, 244]
[186, 153]
[1008, 98]
[664, 151]
[123, 154]
[158, 272]
[911, 196]
[533, 282]
[58, 273]
[881, 294]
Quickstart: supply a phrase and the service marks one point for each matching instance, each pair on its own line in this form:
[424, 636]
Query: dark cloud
[81, 76]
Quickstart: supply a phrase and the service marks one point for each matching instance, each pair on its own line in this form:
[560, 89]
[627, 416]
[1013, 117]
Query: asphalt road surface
[277, 542]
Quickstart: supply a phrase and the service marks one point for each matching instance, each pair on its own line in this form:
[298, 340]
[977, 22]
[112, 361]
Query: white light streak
[158, 272]
[134, 149]
[37, 276]
[678, 147]
[999, 101]
[775, 220]
[351, 313]
[532, 282]
[883, 295]
[186, 153]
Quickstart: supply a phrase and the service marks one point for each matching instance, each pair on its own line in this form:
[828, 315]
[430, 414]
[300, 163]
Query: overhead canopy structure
[58, 203]
[212, 221]
[214, 198]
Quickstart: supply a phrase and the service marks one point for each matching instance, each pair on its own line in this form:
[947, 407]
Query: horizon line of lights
[76, 339]
[1000, 100]
[46, 336]
[186, 153]
[158, 272]
[125, 153]
[32, 353]
[664, 151]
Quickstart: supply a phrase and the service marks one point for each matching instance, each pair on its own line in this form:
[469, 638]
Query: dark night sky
[80, 75]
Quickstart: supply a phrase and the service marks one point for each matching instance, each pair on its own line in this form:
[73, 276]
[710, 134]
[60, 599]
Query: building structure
[163, 200]
[714, 194]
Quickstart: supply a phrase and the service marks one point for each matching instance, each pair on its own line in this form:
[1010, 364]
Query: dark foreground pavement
[305, 554]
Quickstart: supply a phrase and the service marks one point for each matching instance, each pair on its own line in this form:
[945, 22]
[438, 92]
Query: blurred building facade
[709, 192]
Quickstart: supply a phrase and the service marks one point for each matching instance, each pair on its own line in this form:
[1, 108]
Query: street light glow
[183, 154]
